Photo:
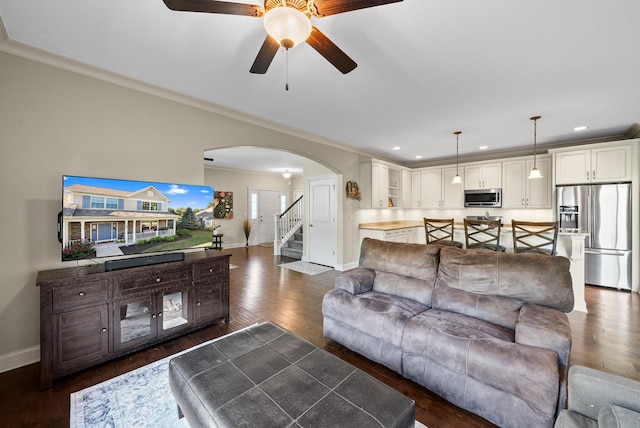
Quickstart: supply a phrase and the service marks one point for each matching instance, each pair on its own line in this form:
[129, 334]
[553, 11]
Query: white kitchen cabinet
[394, 188]
[483, 176]
[380, 185]
[406, 189]
[520, 192]
[416, 189]
[437, 191]
[597, 165]
[407, 235]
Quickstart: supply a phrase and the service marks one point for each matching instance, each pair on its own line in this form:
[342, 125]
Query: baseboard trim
[21, 358]
[346, 266]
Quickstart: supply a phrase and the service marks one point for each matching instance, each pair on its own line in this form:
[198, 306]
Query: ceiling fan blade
[265, 56]
[330, 51]
[213, 6]
[332, 7]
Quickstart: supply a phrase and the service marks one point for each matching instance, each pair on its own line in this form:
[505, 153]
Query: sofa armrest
[590, 390]
[356, 281]
[545, 328]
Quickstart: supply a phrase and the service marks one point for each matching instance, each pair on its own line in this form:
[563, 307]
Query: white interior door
[269, 205]
[322, 236]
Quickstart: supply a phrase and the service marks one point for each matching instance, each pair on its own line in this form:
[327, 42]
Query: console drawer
[142, 281]
[207, 271]
[80, 294]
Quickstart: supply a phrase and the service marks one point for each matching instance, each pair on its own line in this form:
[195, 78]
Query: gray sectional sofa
[486, 331]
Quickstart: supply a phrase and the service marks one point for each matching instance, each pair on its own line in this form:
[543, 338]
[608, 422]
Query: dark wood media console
[88, 316]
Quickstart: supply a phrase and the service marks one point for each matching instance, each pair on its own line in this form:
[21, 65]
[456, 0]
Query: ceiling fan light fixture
[286, 174]
[287, 26]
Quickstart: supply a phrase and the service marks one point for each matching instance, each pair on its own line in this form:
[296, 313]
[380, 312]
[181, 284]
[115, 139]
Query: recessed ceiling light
[580, 128]
[483, 147]
[396, 148]
[418, 156]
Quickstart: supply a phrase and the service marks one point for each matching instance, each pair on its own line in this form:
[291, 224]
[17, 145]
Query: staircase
[288, 231]
[293, 247]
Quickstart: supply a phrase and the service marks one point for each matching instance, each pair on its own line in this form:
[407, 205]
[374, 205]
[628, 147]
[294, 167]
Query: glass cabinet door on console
[140, 319]
[134, 321]
[173, 310]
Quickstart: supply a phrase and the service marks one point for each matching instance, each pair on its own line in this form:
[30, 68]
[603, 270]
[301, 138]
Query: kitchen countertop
[404, 224]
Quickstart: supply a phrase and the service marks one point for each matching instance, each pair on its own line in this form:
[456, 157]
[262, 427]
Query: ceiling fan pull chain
[286, 66]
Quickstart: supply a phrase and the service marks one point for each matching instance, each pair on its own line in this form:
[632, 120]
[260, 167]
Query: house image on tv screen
[102, 215]
[113, 217]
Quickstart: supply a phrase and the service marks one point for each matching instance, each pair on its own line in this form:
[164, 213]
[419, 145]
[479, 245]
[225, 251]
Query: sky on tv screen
[180, 195]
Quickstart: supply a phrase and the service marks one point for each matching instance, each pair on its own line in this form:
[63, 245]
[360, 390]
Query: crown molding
[512, 153]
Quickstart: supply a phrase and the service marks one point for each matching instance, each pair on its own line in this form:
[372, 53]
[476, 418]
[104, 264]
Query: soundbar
[119, 264]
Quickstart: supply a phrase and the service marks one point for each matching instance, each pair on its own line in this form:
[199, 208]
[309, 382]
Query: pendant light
[535, 172]
[457, 179]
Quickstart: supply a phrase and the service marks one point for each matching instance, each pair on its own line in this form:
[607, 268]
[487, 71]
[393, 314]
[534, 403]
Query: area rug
[306, 267]
[140, 398]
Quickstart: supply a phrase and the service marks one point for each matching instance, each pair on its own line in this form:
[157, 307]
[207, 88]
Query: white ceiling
[426, 68]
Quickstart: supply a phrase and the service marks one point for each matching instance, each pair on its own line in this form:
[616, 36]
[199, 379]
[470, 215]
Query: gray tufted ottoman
[266, 376]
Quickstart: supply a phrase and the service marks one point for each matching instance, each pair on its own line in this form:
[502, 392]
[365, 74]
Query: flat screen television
[104, 217]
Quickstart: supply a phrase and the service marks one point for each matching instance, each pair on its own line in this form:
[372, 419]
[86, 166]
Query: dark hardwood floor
[607, 338]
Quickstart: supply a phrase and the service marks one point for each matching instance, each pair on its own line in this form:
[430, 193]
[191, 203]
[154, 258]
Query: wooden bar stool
[483, 235]
[439, 231]
[535, 237]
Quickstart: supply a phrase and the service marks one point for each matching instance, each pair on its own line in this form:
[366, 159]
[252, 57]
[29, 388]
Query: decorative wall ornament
[353, 192]
[223, 205]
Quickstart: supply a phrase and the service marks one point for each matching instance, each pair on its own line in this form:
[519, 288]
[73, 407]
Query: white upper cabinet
[597, 165]
[406, 189]
[483, 176]
[431, 188]
[416, 189]
[538, 191]
[381, 186]
[520, 192]
[437, 190]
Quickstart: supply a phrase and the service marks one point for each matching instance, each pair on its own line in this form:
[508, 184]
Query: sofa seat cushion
[483, 356]
[377, 314]
[459, 325]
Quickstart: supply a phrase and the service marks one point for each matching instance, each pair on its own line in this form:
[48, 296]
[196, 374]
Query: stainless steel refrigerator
[604, 212]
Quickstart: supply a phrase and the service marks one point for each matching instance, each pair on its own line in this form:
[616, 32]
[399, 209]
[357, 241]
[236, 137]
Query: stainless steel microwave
[483, 198]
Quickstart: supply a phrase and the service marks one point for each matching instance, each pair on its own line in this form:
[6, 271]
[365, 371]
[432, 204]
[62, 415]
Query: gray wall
[55, 122]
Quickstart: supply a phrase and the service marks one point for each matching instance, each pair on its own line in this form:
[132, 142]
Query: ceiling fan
[287, 23]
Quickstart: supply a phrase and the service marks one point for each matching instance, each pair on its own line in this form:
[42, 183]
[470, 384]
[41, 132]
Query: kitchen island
[570, 245]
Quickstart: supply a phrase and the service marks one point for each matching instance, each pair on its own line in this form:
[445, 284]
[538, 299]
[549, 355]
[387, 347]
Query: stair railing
[286, 224]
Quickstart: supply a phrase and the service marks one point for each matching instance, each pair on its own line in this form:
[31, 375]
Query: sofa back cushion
[405, 270]
[493, 286]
